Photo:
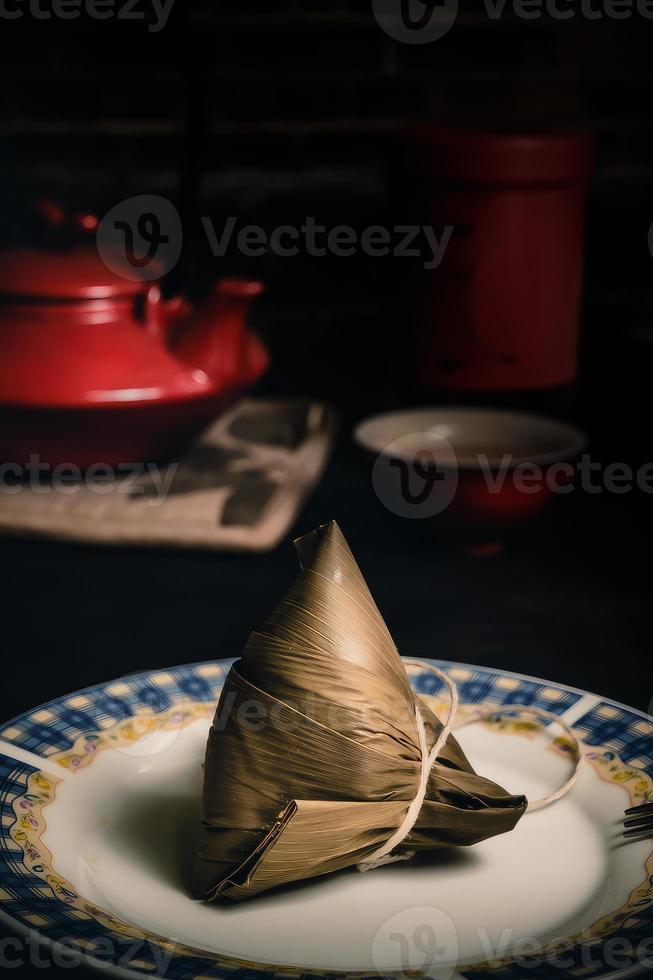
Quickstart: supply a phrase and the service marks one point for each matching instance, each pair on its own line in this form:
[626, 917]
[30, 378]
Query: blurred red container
[501, 313]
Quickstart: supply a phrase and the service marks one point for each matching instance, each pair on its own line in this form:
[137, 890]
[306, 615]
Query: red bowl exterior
[476, 505]
[483, 471]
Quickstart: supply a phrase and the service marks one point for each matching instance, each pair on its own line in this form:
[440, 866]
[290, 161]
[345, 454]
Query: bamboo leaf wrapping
[313, 757]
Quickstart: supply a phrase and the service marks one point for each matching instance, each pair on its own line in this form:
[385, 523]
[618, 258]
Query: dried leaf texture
[313, 757]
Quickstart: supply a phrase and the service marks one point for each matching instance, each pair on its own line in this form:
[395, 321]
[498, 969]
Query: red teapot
[95, 368]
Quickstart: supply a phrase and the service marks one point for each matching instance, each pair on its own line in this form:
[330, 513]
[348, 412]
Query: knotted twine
[384, 854]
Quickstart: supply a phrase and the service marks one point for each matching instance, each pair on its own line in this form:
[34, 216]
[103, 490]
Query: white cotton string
[383, 855]
[524, 709]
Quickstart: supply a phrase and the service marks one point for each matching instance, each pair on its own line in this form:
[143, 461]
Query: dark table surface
[566, 600]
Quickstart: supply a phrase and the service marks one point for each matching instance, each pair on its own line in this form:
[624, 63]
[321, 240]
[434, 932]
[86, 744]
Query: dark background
[271, 112]
[274, 111]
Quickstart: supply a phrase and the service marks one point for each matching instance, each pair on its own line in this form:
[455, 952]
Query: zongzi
[317, 749]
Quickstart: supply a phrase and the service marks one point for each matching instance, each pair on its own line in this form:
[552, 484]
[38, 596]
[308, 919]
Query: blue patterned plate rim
[583, 700]
[228, 662]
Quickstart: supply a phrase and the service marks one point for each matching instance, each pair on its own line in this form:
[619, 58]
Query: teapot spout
[214, 338]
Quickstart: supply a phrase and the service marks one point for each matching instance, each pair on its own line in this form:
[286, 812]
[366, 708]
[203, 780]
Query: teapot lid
[78, 274]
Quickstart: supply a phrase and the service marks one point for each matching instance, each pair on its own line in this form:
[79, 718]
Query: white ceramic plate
[100, 789]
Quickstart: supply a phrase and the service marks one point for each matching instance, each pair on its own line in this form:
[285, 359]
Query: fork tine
[642, 808]
[639, 821]
[645, 831]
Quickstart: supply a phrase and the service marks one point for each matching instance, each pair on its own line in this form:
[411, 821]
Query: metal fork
[639, 821]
